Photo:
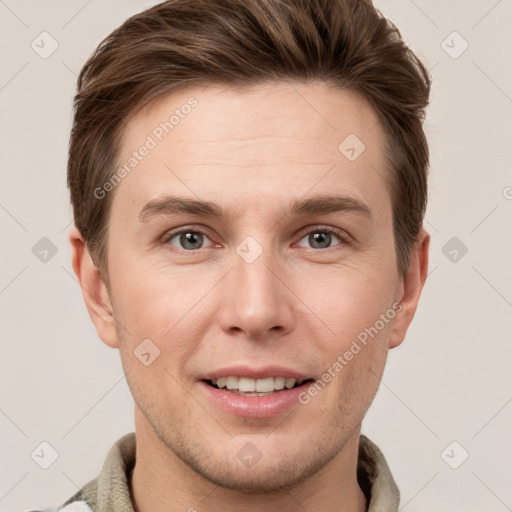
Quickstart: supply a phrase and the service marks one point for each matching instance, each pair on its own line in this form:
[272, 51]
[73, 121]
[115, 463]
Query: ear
[94, 290]
[410, 289]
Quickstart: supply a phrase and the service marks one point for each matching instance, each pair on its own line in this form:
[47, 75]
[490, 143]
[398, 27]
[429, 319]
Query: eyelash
[324, 229]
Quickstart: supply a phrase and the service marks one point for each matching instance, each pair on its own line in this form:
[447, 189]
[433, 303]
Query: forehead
[271, 139]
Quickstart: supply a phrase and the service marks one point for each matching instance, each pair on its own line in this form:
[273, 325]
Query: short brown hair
[179, 43]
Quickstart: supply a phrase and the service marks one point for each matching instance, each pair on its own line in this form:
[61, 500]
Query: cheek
[353, 363]
[343, 301]
[349, 335]
[164, 305]
[150, 295]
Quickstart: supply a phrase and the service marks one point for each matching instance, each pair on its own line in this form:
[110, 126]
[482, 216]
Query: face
[251, 247]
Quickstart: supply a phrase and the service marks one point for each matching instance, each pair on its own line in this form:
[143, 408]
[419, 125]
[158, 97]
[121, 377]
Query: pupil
[320, 240]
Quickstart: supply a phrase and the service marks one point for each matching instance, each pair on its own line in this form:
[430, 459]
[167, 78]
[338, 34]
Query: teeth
[245, 385]
[248, 385]
[289, 383]
[265, 385]
[232, 382]
[279, 382]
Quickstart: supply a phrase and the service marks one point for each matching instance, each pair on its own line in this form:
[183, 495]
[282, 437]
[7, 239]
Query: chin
[274, 471]
[263, 478]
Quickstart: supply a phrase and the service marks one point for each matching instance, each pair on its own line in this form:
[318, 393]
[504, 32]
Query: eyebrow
[318, 205]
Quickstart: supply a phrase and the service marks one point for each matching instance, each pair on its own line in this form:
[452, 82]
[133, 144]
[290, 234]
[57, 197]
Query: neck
[160, 482]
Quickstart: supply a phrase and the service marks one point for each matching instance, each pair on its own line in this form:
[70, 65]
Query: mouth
[247, 386]
[254, 392]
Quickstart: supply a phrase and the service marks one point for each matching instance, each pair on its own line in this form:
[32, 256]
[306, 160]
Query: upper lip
[252, 372]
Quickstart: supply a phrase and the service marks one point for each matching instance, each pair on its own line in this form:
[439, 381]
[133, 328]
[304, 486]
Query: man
[249, 180]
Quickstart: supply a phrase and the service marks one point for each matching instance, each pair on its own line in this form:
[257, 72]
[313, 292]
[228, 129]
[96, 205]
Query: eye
[188, 240]
[322, 238]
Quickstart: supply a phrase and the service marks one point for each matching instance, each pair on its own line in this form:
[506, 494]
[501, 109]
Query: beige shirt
[110, 491]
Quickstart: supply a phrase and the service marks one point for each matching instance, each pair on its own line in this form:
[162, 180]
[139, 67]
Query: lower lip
[254, 406]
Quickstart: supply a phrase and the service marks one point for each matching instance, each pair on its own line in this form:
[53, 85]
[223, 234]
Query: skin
[253, 152]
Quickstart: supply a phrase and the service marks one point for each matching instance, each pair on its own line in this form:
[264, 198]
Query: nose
[256, 298]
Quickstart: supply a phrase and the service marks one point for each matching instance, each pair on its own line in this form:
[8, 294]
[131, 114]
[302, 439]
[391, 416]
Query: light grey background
[449, 381]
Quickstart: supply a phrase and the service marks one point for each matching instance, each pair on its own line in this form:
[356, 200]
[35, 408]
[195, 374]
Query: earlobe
[412, 286]
[94, 290]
